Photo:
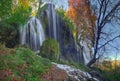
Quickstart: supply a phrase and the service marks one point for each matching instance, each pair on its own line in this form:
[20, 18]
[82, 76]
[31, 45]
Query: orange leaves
[74, 2]
[81, 15]
[78, 10]
[71, 13]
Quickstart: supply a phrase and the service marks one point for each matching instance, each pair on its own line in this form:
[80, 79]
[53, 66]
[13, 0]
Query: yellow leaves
[34, 6]
[33, 13]
[16, 4]
[27, 7]
[13, 9]
[24, 3]
[74, 33]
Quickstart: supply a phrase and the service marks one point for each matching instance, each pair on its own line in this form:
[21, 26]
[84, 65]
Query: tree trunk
[92, 61]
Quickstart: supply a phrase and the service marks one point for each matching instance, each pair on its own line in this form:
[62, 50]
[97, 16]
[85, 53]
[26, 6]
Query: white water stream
[32, 34]
[77, 74]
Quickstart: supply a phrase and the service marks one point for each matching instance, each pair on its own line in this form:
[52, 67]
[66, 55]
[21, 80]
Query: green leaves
[5, 8]
[15, 12]
[20, 15]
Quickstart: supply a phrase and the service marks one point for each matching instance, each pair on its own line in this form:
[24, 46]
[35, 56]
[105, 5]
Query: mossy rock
[50, 49]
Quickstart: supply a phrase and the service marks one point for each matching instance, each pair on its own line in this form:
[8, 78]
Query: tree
[80, 13]
[84, 20]
[15, 11]
[5, 8]
[107, 12]
[21, 11]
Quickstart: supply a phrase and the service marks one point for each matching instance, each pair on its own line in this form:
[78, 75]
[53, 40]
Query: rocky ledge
[60, 72]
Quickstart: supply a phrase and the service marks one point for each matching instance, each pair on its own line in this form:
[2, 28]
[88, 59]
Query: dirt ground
[55, 74]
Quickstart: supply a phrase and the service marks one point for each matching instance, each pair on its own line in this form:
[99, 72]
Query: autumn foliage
[81, 15]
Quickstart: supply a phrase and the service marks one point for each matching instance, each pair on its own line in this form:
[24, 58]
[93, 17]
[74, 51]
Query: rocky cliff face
[55, 27]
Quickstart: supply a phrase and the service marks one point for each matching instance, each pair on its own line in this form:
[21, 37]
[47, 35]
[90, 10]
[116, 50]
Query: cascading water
[86, 51]
[32, 34]
[51, 14]
[56, 28]
[54, 22]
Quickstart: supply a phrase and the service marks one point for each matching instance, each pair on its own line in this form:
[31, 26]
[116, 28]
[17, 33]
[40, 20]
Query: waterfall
[56, 28]
[54, 21]
[32, 34]
[86, 51]
[51, 14]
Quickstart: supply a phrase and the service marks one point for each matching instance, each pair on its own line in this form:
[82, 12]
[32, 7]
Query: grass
[112, 74]
[23, 65]
[80, 66]
[109, 69]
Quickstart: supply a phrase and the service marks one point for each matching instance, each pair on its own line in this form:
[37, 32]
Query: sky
[114, 29]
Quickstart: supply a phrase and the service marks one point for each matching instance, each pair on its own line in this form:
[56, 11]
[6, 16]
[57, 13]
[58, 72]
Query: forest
[59, 40]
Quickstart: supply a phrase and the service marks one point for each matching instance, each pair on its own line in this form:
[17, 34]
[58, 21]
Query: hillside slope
[22, 64]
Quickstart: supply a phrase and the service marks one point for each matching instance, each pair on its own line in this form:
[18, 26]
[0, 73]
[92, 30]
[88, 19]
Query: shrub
[50, 49]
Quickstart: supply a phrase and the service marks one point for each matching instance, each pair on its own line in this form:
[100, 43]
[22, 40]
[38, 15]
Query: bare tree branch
[109, 41]
[107, 13]
[113, 46]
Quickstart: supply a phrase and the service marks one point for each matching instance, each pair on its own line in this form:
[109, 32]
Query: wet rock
[76, 74]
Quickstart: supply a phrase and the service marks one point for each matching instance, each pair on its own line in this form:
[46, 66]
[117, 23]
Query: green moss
[45, 23]
[50, 49]
[23, 63]
[66, 19]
